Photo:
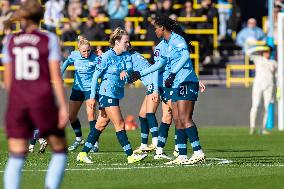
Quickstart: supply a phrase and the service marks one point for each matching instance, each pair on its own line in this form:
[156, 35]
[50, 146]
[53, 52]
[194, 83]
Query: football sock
[192, 134]
[92, 124]
[153, 124]
[176, 146]
[123, 140]
[76, 125]
[182, 141]
[35, 137]
[33, 141]
[163, 134]
[55, 172]
[13, 171]
[144, 130]
[93, 137]
[96, 144]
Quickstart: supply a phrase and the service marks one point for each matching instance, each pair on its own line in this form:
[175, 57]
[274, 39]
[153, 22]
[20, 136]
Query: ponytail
[178, 30]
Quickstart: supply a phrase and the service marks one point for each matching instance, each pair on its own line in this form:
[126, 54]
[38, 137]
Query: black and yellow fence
[194, 55]
[137, 22]
[242, 78]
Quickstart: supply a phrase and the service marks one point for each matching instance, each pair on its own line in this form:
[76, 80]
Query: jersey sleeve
[6, 55]
[67, 62]
[54, 48]
[181, 45]
[101, 66]
[155, 81]
[182, 48]
[184, 58]
[162, 61]
[128, 63]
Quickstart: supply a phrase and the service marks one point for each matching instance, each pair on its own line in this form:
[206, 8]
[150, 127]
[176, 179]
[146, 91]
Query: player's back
[29, 54]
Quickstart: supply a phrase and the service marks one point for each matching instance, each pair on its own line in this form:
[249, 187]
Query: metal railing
[194, 55]
[246, 79]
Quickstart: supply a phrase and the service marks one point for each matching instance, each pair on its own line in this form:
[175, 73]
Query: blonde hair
[83, 41]
[116, 35]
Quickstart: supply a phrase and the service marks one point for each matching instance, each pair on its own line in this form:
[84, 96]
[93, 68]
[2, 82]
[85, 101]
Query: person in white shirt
[263, 85]
[53, 13]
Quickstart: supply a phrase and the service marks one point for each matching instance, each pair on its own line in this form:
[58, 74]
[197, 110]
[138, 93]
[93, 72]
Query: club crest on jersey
[157, 53]
[100, 60]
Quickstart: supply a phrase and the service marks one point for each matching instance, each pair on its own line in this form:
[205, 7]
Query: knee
[142, 114]
[101, 125]
[167, 118]
[119, 125]
[72, 117]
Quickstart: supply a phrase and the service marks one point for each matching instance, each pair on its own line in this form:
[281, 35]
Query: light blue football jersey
[160, 67]
[84, 69]
[179, 60]
[109, 68]
[139, 64]
[160, 53]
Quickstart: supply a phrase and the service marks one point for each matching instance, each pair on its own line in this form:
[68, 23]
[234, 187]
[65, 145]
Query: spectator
[208, 11]
[68, 34]
[95, 10]
[75, 9]
[153, 10]
[235, 17]
[5, 13]
[93, 31]
[132, 32]
[101, 4]
[224, 15]
[53, 14]
[188, 11]
[140, 6]
[249, 35]
[167, 7]
[117, 11]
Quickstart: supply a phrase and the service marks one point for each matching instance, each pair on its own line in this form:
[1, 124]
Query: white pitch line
[132, 168]
[219, 161]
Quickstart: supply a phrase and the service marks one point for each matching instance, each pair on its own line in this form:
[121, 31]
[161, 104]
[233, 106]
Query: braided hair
[171, 25]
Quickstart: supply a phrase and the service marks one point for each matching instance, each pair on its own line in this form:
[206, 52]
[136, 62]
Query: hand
[92, 103]
[62, 117]
[169, 81]
[202, 87]
[134, 77]
[123, 75]
[155, 96]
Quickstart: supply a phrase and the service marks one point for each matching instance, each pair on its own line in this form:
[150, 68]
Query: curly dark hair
[171, 25]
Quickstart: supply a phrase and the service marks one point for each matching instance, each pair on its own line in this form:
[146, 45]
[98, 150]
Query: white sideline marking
[220, 161]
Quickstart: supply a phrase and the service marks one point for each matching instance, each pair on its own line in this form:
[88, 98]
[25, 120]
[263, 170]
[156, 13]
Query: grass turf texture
[258, 162]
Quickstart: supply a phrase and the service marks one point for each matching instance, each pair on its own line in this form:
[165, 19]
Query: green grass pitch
[234, 160]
